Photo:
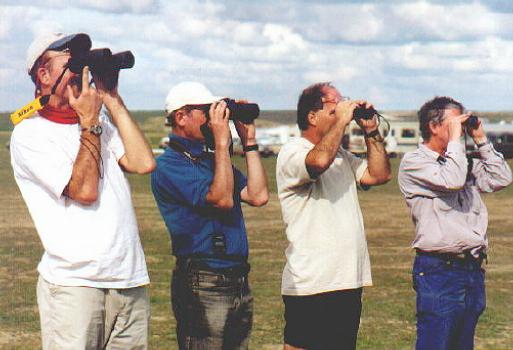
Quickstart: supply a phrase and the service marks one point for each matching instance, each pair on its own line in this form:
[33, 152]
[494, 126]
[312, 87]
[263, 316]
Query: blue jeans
[213, 310]
[450, 299]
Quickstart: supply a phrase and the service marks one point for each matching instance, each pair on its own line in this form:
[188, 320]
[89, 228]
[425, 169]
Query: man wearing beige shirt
[441, 187]
[327, 258]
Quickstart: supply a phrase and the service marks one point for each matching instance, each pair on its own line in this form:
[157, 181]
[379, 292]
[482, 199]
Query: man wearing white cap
[69, 162]
[199, 195]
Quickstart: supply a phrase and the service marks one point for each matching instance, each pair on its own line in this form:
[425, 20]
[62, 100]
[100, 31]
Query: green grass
[388, 318]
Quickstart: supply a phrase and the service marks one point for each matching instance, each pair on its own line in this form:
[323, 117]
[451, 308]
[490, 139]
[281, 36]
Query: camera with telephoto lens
[364, 113]
[101, 62]
[472, 122]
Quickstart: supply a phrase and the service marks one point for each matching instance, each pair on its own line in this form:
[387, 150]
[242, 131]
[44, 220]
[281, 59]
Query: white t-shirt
[327, 247]
[96, 245]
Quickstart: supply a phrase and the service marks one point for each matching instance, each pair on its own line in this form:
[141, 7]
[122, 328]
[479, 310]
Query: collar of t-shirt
[195, 148]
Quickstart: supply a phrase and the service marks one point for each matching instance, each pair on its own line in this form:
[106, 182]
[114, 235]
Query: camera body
[100, 61]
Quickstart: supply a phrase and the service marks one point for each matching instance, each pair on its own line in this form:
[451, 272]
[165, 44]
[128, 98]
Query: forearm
[220, 194]
[322, 155]
[257, 191]
[491, 171]
[378, 162]
[83, 185]
[139, 157]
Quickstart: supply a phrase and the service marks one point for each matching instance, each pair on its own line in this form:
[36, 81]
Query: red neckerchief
[61, 116]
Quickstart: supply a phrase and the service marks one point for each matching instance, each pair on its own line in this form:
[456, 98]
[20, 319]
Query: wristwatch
[94, 129]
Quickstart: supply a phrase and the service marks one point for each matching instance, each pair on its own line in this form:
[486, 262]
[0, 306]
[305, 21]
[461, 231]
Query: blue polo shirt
[180, 186]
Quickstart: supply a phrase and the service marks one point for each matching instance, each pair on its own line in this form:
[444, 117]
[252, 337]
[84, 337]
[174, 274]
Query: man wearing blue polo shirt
[199, 195]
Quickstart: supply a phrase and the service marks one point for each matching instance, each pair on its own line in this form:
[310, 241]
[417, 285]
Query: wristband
[374, 135]
[250, 148]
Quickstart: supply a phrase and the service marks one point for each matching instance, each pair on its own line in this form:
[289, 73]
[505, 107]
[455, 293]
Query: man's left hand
[247, 132]
[478, 135]
[367, 125]
[106, 83]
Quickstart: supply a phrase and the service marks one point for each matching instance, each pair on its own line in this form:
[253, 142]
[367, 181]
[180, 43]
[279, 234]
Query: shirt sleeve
[491, 171]
[42, 161]
[358, 165]
[291, 166]
[179, 180]
[424, 176]
[114, 142]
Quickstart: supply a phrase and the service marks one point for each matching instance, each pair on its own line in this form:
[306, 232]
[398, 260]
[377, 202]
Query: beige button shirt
[445, 204]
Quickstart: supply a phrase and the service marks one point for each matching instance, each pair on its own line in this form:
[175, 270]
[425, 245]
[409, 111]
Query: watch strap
[373, 134]
[250, 148]
[94, 129]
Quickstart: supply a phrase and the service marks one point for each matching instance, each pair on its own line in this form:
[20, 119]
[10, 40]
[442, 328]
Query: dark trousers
[450, 299]
[323, 321]
[213, 310]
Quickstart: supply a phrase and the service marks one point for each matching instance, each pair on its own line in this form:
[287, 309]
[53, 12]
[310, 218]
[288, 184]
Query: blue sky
[396, 54]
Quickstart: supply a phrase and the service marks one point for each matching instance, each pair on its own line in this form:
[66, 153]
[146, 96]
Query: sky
[395, 54]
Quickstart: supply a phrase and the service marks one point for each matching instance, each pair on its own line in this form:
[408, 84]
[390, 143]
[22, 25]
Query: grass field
[388, 319]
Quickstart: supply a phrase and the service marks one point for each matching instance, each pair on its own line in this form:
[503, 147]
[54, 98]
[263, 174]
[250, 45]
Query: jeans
[450, 299]
[213, 310]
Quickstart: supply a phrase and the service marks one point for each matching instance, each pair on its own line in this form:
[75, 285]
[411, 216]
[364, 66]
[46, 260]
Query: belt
[463, 256]
[194, 264]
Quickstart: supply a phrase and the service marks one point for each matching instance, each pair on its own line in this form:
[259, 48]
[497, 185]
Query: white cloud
[135, 6]
[393, 53]
[446, 22]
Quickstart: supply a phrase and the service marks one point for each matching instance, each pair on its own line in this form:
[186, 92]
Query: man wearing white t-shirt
[327, 258]
[69, 163]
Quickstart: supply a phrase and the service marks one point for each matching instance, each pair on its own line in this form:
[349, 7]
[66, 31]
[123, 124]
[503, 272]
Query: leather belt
[465, 255]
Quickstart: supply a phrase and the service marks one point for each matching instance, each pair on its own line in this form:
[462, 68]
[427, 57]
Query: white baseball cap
[54, 41]
[188, 93]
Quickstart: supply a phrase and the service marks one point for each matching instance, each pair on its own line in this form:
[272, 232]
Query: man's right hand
[456, 126]
[219, 116]
[88, 104]
[344, 110]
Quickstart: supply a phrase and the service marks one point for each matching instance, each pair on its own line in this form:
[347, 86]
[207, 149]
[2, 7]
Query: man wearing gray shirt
[441, 188]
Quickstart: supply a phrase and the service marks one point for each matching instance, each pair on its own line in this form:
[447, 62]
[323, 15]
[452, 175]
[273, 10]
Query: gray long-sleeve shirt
[445, 204]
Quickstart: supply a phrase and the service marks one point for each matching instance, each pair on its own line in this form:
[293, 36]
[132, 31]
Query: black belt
[463, 256]
[188, 264]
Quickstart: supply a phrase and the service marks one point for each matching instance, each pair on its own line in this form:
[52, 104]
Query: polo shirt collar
[195, 148]
[428, 151]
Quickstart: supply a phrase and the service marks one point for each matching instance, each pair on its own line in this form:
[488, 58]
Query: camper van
[403, 136]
